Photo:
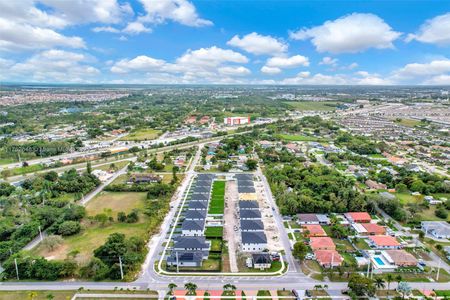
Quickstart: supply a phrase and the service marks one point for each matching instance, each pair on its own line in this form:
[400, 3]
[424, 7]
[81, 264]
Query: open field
[118, 165]
[142, 135]
[408, 122]
[116, 202]
[94, 233]
[298, 138]
[313, 105]
[217, 203]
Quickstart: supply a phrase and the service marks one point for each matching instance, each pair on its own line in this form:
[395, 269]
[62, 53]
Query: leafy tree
[69, 228]
[441, 213]
[51, 242]
[361, 286]
[251, 164]
[300, 250]
[404, 288]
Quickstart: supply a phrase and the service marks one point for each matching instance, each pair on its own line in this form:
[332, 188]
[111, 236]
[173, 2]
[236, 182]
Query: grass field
[408, 122]
[214, 232]
[115, 201]
[142, 135]
[64, 295]
[217, 203]
[95, 234]
[118, 165]
[298, 138]
[313, 105]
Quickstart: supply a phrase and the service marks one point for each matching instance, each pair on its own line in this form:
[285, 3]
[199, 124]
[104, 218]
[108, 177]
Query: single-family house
[261, 261]
[383, 242]
[321, 243]
[358, 217]
[313, 230]
[195, 215]
[401, 258]
[185, 259]
[198, 205]
[193, 228]
[253, 241]
[192, 243]
[328, 258]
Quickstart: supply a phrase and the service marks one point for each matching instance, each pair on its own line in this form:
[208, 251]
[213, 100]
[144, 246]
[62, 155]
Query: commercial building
[233, 121]
[436, 229]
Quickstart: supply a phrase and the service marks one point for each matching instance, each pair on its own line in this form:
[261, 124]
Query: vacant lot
[142, 135]
[298, 138]
[313, 105]
[116, 202]
[217, 203]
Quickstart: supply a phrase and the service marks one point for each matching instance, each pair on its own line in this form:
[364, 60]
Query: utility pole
[121, 268]
[176, 255]
[368, 268]
[40, 233]
[439, 270]
[17, 269]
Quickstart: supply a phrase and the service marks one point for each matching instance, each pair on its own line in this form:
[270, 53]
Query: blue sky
[229, 41]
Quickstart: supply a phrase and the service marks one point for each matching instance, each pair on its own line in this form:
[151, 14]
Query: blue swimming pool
[379, 261]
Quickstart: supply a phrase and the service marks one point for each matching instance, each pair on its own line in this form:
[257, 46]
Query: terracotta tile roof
[374, 228]
[322, 243]
[314, 230]
[359, 216]
[384, 240]
[326, 257]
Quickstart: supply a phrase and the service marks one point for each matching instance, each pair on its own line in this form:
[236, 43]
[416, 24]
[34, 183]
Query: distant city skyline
[225, 42]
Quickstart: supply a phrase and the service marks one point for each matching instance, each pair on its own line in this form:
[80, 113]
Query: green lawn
[362, 245]
[142, 135]
[298, 138]
[216, 245]
[116, 201]
[313, 105]
[408, 122]
[217, 203]
[214, 232]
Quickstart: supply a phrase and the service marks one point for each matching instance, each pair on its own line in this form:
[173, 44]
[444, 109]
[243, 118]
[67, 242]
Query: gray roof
[257, 237]
[250, 214]
[205, 176]
[438, 227]
[248, 204]
[261, 258]
[307, 218]
[198, 205]
[199, 197]
[195, 214]
[246, 189]
[245, 183]
[244, 176]
[185, 256]
[252, 225]
[193, 225]
[203, 183]
[191, 242]
[202, 189]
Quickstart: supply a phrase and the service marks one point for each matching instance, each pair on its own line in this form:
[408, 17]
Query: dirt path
[230, 218]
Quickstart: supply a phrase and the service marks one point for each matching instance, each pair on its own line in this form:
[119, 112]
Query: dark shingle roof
[203, 183]
[191, 242]
[261, 258]
[205, 176]
[252, 225]
[257, 237]
[246, 189]
[202, 189]
[307, 218]
[195, 214]
[248, 204]
[244, 176]
[245, 183]
[193, 225]
[197, 205]
[250, 214]
[199, 197]
[185, 256]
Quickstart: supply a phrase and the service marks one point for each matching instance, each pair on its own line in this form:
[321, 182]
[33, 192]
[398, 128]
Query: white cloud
[329, 61]
[317, 79]
[105, 29]
[180, 11]
[288, 62]
[234, 71]
[415, 70]
[438, 80]
[270, 70]
[55, 66]
[136, 28]
[140, 63]
[434, 31]
[194, 66]
[352, 33]
[352, 66]
[25, 25]
[258, 44]
[19, 36]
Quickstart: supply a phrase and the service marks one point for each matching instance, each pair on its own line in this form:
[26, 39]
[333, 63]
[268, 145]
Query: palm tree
[398, 278]
[191, 288]
[389, 279]
[379, 283]
[50, 297]
[32, 295]
[171, 286]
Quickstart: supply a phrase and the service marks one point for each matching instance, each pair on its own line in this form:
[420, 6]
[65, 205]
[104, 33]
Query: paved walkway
[230, 223]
